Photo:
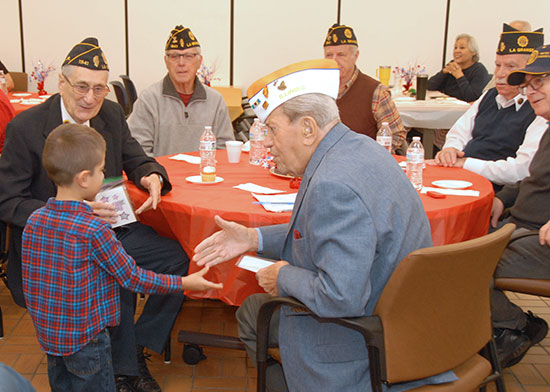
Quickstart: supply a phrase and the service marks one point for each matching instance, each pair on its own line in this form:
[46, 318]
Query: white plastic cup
[233, 148]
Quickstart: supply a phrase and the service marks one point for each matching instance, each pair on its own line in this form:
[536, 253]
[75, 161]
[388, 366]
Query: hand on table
[152, 184]
[496, 211]
[231, 241]
[544, 234]
[448, 156]
[105, 211]
[196, 281]
[267, 277]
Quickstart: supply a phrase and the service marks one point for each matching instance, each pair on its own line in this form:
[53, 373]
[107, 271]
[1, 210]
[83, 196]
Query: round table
[23, 100]
[187, 213]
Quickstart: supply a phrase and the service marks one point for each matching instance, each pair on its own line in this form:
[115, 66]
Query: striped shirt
[71, 264]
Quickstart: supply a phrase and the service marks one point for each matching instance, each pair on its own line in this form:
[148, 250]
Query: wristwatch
[160, 179]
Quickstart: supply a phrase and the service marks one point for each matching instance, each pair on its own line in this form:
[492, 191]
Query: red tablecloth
[23, 100]
[187, 213]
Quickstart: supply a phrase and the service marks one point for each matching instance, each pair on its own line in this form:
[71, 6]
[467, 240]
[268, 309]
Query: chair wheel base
[192, 354]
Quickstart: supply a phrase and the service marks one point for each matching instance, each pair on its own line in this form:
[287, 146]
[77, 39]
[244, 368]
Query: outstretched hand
[231, 241]
[196, 281]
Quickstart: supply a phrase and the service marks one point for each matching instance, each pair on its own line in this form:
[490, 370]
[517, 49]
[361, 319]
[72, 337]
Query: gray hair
[321, 107]
[199, 50]
[472, 45]
[67, 70]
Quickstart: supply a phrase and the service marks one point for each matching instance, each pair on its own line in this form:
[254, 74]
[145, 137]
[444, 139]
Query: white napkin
[187, 158]
[250, 187]
[456, 192]
[269, 202]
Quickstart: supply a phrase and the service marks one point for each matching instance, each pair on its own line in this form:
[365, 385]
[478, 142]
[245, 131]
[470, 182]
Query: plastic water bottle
[258, 152]
[208, 155]
[384, 136]
[415, 162]
[3, 82]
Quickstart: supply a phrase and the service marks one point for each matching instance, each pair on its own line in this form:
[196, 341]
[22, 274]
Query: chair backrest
[435, 308]
[20, 81]
[121, 96]
[130, 89]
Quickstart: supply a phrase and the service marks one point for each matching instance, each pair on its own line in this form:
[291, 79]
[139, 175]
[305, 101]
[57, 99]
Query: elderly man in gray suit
[355, 217]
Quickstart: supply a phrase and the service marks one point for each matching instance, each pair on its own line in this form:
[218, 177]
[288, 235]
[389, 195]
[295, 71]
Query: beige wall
[267, 34]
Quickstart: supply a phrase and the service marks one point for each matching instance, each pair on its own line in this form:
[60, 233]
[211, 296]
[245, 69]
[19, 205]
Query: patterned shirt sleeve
[384, 110]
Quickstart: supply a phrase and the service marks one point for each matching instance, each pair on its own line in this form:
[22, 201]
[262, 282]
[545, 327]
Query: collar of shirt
[518, 100]
[69, 205]
[66, 117]
[349, 83]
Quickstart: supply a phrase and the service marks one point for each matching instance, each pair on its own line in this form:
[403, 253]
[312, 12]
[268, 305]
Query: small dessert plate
[452, 184]
[198, 180]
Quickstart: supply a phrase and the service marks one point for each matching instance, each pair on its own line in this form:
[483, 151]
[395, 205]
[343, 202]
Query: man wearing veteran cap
[527, 201]
[355, 217]
[26, 187]
[499, 134]
[364, 103]
[169, 116]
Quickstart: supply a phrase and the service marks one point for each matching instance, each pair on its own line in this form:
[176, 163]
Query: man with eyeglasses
[169, 116]
[26, 187]
[499, 134]
[528, 205]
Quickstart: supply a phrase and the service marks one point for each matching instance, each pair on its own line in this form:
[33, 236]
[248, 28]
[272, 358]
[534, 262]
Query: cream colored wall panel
[483, 20]
[269, 35]
[397, 33]
[10, 49]
[150, 24]
[51, 29]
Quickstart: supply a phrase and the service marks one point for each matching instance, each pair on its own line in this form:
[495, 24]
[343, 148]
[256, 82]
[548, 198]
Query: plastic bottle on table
[3, 82]
[208, 155]
[415, 162]
[258, 152]
[384, 136]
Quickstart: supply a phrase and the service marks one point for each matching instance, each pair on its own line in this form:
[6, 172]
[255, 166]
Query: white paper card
[115, 194]
[187, 158]
[252, 263]
[456, 192]
[277, 203]
[250, 187]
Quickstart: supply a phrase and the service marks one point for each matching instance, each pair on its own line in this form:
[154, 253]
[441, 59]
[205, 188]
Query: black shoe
[146, 382]
[125, 383]
[512, 345]
[536, 328]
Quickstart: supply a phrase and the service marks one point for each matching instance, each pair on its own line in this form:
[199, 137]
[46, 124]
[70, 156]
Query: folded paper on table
[456, 192]
[250, 187]
[113, 191]
[277, 203]
[253, 263]
[187, 158]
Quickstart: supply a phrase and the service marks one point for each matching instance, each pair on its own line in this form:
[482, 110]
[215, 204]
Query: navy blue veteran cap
[538, 64]
[514, 41]
[181, 38]
[340, 35]
[87, 54]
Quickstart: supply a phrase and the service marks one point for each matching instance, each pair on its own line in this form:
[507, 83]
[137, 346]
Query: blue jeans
[89, 369]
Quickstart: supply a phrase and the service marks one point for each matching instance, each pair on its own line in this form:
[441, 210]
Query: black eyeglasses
[82, 89]
[187, 57]
[535, 83]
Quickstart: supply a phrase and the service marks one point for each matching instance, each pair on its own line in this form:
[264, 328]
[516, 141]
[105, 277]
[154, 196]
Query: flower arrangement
[206, 74]
[39, 74]
[408, 74]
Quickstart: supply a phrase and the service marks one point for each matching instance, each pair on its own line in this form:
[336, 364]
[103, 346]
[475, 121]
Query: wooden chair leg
[1, 324]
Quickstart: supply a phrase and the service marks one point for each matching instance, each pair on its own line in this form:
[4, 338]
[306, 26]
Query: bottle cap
[385, 124]
[416, 138]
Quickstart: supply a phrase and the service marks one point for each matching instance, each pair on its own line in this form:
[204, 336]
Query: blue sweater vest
[497, 134]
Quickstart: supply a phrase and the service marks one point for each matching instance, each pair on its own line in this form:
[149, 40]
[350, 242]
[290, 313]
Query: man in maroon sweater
[529, 257]
[364, 103]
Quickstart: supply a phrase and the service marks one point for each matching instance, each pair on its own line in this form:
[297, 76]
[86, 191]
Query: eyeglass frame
[104, 89]
[522, 88]
[187, 57]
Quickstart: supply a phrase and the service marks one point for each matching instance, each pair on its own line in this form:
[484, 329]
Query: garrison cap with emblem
[340, 35]
[306, 77]
[181, 38]
[87, 54]
[538, 64]
[514, 41]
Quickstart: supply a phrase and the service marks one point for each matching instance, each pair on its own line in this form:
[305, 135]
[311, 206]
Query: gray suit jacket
[356, 216]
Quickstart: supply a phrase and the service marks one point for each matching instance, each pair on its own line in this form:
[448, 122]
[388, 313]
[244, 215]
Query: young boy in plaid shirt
[73, 266]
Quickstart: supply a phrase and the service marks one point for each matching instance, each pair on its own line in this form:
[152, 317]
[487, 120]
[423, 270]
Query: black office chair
[130, 90]
[121, 97]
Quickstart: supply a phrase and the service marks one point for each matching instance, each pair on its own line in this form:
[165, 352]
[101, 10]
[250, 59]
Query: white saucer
[21, 94]
[452, 184]
[198, 180]
[29, 102]
[15, 100]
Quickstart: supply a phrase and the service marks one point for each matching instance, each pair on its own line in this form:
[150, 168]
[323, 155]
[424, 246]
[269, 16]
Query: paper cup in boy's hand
[233, 148]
